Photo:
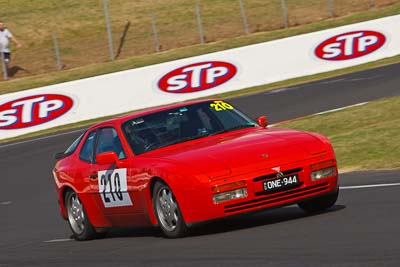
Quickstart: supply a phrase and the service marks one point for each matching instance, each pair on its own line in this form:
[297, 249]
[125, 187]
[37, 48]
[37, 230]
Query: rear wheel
[77, 218]
[167, 211]
[319, 203]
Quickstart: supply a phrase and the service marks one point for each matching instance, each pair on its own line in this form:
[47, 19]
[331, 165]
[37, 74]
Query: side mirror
[262, 121]
[108, 157]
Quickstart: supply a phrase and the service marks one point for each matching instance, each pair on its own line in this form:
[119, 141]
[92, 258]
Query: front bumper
[198, 205]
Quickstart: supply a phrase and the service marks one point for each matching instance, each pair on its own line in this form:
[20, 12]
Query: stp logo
[350, 45]
[197, 77]
[33, 110]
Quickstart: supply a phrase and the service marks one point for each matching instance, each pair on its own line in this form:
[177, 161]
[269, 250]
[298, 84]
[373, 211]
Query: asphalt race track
[363, 229]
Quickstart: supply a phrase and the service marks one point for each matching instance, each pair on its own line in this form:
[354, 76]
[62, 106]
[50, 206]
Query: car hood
[243, 151]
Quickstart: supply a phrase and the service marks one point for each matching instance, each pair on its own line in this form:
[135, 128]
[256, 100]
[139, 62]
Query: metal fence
[67, 34]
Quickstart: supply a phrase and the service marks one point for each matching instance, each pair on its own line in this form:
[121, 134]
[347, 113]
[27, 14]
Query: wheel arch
[153, 181]
[174, 189]
[96, 218]
[181, 227]
[61, 200]
[150, 209]
[183, 186]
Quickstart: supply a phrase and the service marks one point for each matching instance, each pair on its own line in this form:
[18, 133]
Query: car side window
[86, 153]
[109, 141]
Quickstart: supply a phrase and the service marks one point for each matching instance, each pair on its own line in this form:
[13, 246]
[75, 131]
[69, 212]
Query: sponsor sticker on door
[197, 77]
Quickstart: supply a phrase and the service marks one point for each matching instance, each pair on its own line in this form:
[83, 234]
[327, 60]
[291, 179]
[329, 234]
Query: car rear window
[86, 153]
[71, 149]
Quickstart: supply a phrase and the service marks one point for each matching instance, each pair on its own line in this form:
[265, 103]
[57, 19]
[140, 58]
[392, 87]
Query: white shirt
[5, 36]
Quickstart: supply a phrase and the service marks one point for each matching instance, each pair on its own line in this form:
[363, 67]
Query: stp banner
[230, 70]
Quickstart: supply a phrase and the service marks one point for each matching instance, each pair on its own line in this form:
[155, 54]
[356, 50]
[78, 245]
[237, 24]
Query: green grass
[38, 48]
[364, 138]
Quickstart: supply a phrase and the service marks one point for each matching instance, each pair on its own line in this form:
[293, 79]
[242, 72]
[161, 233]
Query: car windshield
[182, 124]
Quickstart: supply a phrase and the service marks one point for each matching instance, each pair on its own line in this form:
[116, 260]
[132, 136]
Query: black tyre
[167, 211]
[78, 220]
[320, 203]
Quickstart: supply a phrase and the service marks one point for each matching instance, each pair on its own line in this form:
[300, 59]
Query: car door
[110, 182]
[84, 164]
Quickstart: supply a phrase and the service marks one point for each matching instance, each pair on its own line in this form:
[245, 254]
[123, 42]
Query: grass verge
[364, 138]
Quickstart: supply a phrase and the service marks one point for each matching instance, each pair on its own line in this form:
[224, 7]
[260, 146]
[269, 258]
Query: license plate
[282, 183]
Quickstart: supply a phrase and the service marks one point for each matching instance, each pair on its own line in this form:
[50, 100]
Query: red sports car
[186, 163]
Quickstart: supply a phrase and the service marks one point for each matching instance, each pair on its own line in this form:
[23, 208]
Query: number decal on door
[113, 188]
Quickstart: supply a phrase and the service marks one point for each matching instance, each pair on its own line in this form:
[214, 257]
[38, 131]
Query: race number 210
[113, 188]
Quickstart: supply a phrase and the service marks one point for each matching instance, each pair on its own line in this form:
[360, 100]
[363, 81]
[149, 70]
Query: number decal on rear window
[220, 105]
[113, 188]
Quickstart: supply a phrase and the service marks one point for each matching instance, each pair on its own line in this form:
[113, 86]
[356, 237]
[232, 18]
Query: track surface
[361, 230]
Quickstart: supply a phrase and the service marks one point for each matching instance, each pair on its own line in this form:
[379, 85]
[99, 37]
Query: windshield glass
[182, 124]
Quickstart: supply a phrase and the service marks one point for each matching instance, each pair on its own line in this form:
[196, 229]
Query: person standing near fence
[5, 37]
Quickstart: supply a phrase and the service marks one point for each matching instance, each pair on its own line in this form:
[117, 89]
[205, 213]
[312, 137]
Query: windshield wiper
[180, 141]
[238, 127]
[185, 139]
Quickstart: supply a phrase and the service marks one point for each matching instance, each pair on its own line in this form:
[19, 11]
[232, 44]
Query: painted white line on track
[319, 113]
[277, 91]
[340, 187]
[338, 109]
[333, 81]
[364, 78]
[5, 203]
[272, 125]
[58, 240]
[367, 186]
[41, 138]
[280, 90]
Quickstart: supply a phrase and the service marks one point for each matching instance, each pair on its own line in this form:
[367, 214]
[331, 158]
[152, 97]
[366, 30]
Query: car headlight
[324, 173]
[230, 195]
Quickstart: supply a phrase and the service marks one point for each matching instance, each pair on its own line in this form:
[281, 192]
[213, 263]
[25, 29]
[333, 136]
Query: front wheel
[78, 220]
[320, 203]
[167, 211]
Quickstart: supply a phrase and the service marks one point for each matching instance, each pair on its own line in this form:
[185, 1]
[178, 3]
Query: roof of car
[135, 114]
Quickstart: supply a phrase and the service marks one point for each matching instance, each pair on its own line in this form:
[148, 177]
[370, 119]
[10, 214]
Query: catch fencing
[68, 34]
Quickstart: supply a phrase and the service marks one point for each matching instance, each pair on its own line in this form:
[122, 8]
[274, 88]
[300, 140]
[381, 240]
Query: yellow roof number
[220, 105]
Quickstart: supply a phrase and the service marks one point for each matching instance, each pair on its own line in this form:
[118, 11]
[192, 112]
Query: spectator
[5, 36]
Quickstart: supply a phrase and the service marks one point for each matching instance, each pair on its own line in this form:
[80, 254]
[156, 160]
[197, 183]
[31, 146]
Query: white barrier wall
[229, 70]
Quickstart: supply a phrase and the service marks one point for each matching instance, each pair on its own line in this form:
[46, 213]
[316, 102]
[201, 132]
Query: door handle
[93, 176]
